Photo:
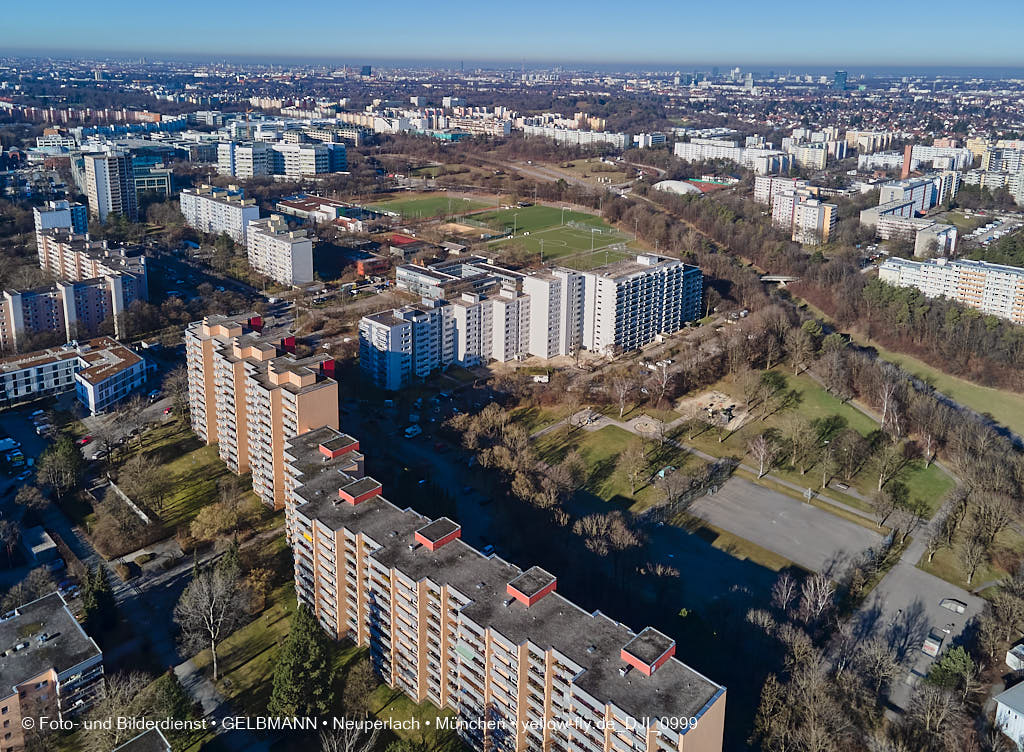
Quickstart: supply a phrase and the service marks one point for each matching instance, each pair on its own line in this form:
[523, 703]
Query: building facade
[217, 211]
[522, 668]
[61, 215]
[244, 160]
[284, 255]
[51, 668]
[990, 288]
[110, 185]
[249, 394]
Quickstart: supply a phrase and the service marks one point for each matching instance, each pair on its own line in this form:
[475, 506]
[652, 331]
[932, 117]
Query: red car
[167, 411]
[84, 440]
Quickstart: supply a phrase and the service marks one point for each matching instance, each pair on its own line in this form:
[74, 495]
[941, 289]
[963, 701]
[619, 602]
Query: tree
[302, 677]
[941, 536]
[124, 696]
[876, 663]
[886, 501]
[972, 555]
[175, 388]
[345, 738]
[360, 682]
[61, 465]
[674, 485]
[142, 479]
[764, 451]
[632, 463]
[213, 604]
[30, 497]
[623, 384]
[852, 451]
[802, 438]
[98, 602]
[889, 461]
[955, 670]
[800, 347]
[130, 417]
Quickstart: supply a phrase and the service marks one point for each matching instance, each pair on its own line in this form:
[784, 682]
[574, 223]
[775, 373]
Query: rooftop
[65, 646]
[649, 645]
[99, 358]
[532, 581]
[438, 529]
[593, 641]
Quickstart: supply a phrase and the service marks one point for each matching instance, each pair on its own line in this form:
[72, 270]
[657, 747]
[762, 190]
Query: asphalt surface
[808, 536]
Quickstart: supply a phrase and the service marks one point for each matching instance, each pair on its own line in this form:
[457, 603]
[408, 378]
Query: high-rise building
[51, 668]
[110, 185]
[522, 668]
[245, 160]
[249, 393]
[217, 211]
[839, 80]
[813, 221]
[61, 215]
[483, 312]
[280, 253]
[297, 160]
[75, 258]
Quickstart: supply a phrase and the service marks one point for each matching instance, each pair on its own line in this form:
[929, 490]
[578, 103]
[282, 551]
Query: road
[806, 535]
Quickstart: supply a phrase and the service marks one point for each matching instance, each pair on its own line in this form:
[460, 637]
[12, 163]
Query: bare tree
[632, 463]
[212, 605]
[817, 598]
[764, 451]
[889, 461]
[993, 513]
[800, 347]
[623, 385]
[972, 555]
[344, 737]
[122, 697]
[784, 592]
[890, 393]
[674, 486]
[876, 663]
[30, 497]
[176, 389]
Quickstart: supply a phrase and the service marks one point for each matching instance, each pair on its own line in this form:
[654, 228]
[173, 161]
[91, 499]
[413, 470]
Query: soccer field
[428, 206]
[588, 242]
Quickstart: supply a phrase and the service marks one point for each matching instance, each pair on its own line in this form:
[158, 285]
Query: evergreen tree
[170, 698]
[302, 677]
[90, 606]
[230, 562]
[106, 606]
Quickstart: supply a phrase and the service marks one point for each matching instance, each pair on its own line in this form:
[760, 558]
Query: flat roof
[66, 644]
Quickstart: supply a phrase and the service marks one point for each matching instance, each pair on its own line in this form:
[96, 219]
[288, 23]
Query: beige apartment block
[249, 393]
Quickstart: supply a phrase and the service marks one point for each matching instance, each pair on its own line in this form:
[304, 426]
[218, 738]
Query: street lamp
[515, 223]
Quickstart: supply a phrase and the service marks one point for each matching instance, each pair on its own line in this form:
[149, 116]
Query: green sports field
[539, 229]
[428, 206]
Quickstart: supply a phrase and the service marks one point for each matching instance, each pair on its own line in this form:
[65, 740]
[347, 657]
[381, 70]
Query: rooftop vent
[413, 546]
[509, 601]
[591, 648]
[480, 585]
[623, 670]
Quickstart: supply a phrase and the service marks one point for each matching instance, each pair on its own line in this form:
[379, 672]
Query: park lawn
[929, 484]
[534, 418]
[1008, 551]
[434, 205]
[194, 470]
[591, 169]
[246, 658]
[396, 708]
[600, 451]
[963, 223]
[1003, 406]
[537, 217]
[612, 411]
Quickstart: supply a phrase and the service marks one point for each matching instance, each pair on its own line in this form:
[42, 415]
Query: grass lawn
[537, 217]
[963, 223]
[600, 451]
[192, 468]
[666, 416]
[434, 205]
[814, 403]
[1003, 406]
[1007, 553]
[533, 418]
[394, 706]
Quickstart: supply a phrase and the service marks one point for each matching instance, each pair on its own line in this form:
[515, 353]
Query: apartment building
[217, 211]
[492, 313]
[1005, 160]
[298, 160]
[761, 161]
[75, 258]
[766, 186]
[50, 667]
[244, 159]
[481, 126]
[110, 185]
[102, 372]
[280, 253]
[813, 221]
[249, 394]
[521, 667]
[810, 156]
[866, 142]
[576, 137]
[61, 215]
[990, 288]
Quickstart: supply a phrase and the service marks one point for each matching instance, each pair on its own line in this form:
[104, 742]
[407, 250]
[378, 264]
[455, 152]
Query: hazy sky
[864, 33]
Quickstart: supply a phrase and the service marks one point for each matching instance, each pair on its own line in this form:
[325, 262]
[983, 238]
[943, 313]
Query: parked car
[167, 410]
[84, 440]
[487, 550]
[412, 432]
[933, 642]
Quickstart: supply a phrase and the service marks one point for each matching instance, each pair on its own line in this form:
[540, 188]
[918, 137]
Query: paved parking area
[804, 534]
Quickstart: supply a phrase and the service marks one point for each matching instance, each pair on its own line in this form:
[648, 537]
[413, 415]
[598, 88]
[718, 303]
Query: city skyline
[536, 32]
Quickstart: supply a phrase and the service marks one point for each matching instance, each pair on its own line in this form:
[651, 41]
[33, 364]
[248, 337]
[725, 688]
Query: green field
[1005, 407]
[425, 207]
[814, 403]
[539, 229]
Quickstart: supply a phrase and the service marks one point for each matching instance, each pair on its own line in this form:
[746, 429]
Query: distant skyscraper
[839, 80]
[366, 70]
[110, 185]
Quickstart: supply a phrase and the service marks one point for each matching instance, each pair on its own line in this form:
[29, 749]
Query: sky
[673, 33]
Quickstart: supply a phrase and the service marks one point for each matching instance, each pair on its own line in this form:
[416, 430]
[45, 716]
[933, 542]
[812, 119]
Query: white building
[244, 160]
[1010, 714]
[297, 160]
[766, 186]
[990, 288]
[496, 314]
[281, 254]
[60, 215]
[217, 211]
[576, 137]
[110, 185]
[761, 161]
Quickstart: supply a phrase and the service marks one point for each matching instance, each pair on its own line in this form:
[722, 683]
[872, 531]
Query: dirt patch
[720, 407]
